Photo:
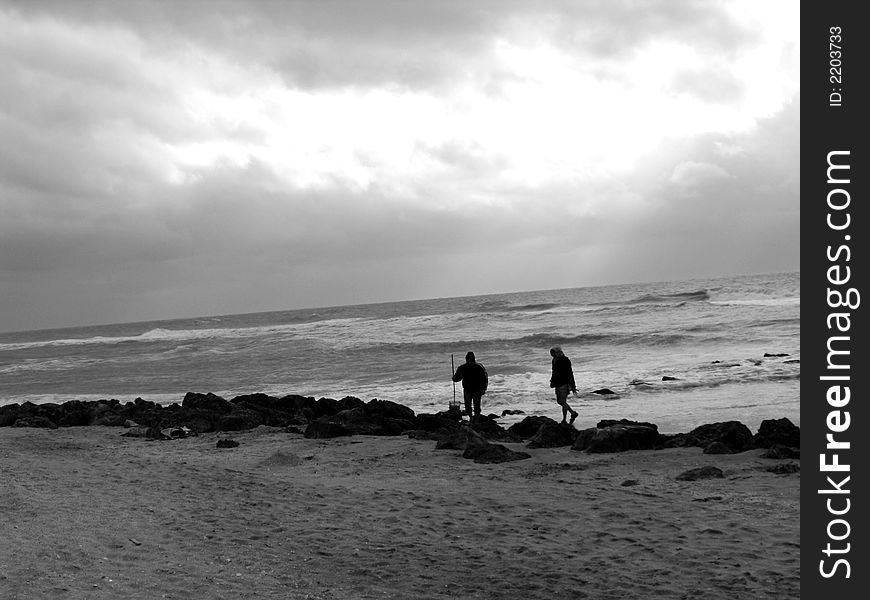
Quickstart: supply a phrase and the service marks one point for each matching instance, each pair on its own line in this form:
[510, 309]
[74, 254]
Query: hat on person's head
[556, 350]
[469, 356]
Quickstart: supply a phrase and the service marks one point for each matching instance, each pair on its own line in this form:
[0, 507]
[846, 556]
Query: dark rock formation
[553, 435]
[529, 426]
[492, 431]
[227, 443]
[774, 432]
[604, 392]
[508, 411]
[617, 437]
[785, 468]
[733, 434]
[461, 439]
[493, 453]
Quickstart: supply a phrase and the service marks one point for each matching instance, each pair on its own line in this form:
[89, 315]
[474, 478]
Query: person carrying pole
[474, 380]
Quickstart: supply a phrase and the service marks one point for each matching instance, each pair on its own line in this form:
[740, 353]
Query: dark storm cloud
[414, 43]
[115, 205]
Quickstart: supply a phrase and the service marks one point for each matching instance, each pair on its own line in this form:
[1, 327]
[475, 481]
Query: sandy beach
[87, 513]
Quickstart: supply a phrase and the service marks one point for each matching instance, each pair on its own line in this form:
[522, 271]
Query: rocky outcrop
[617, 436]
[777, 432]
[529, 426]
[553, 435]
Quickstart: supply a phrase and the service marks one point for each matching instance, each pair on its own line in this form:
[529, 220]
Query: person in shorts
[562, 380]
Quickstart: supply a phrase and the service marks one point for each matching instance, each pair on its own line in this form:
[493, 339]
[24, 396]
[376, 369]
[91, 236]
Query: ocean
[708, 337]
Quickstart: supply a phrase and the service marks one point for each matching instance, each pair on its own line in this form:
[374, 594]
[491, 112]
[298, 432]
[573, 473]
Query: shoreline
[90, 513]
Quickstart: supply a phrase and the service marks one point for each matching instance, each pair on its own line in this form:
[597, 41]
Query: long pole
[452, 372]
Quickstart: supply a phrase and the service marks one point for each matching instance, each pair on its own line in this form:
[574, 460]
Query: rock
[390, 410]
[174, 433]
[508, 411]
[326, 407]
[35, 421]
[717, 448]
[363, 421]
[733, 434]
[785, 469]
[553, 435]
[791, 361]
[611, 422]
[669, 378]
[630, 483]
[616, 438]
[492, 431]
[769, 355]
[209, 401]
[529, 426]
[9, 414]
[707, 472]
[604, 392]
[780, 432]
[461, 439]
[238, 420]
[227, 443]
[781, 452]
[74, 413]
[493, 453]
[136, 432]
[130, 423]
[435, 423]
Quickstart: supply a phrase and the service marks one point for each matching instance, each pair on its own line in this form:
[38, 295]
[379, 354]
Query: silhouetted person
[562, 380]
[474, 383]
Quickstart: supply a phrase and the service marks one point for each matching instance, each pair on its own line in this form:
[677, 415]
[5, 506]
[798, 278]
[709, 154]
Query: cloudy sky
[169, 159]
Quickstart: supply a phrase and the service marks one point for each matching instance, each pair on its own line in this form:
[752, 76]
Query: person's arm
[458, 375]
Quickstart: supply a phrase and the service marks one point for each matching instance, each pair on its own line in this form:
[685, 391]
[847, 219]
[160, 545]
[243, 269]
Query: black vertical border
[826, 127]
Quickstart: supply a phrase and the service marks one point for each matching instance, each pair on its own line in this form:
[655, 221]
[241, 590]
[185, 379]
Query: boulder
[209, 402]
[492, 431]
[733, 434]
[616, 438]
[35, 421]
[391, 410]
[529, 426]
[435, 423]
[9, 414]
[237, 420]
[493, 453]
[773, 432]
[227, 443]
[604, 392]
[508, 411]
[553, 435]
[461, 439]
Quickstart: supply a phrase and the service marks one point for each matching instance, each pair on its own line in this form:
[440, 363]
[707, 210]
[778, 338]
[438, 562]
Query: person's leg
[466, 395]
[562, 400]
[477, 398]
